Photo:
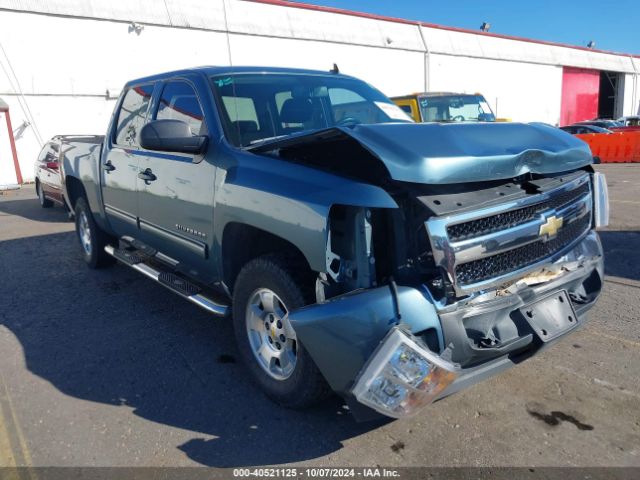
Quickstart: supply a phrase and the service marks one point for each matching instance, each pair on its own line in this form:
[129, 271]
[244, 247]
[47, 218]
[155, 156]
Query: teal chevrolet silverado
[354, 250]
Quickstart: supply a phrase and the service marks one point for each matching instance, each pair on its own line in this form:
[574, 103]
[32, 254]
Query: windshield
[455, 108]
[601, 123]
[597, 129]
[259, 107]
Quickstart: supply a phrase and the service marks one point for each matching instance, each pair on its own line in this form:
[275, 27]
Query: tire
[92, 238]
[44, 201]
[296, 382]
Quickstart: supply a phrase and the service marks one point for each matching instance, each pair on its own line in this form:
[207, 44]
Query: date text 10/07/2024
[330, 473]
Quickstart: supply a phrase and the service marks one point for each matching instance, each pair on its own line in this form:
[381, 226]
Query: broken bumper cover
[358, 345]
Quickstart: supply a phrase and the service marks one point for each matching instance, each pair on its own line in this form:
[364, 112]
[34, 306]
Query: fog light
[600, 200]
[402, 376]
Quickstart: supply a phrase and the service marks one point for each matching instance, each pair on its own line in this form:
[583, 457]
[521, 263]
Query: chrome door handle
[108, 167]
[147, 176]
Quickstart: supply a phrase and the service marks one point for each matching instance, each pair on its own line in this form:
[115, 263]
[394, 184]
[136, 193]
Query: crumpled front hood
[455, 153]
[435, 153]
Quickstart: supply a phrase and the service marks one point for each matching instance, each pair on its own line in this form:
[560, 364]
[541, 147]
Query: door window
[132, 115]
[179, 102]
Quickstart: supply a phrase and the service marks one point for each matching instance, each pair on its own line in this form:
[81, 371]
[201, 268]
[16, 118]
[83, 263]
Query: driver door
[175, 193]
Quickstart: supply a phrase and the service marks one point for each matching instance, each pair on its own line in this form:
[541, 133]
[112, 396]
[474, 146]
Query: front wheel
[92, 238]
[266, 290]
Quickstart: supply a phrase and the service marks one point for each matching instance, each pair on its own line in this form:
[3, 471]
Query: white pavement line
[597, 381]
[622, 281]
[624, 201]
[611, 337]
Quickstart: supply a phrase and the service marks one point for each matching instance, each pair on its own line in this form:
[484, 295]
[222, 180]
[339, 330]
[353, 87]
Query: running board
[169, 280]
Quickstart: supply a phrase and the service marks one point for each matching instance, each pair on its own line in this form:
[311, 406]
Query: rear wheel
[44, 201]
[92, 238]
[266, 290]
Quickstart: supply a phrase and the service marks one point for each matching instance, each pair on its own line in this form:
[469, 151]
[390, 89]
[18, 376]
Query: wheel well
[242, 243]
[75, 190]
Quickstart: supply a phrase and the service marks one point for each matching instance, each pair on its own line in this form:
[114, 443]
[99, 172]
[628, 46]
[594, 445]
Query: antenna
[335, 68]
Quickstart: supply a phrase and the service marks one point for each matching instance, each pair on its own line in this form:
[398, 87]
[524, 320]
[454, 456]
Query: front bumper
[483, 334]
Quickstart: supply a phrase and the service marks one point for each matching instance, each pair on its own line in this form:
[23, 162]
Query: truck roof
[228, 70]
[435, 94]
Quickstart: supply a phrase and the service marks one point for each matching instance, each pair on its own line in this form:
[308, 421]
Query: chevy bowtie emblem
[551, 226]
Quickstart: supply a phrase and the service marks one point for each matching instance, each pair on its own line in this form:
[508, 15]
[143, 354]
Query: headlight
[600, 200]
[402, 376]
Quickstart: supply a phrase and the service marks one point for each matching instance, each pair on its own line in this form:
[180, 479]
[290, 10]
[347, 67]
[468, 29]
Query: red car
[47, 174]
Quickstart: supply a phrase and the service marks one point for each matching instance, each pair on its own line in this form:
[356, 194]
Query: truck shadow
[30, 209]
[116, 338]
[622, 253]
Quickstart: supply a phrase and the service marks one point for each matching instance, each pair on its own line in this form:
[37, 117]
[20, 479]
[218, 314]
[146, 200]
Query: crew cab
[355, 251]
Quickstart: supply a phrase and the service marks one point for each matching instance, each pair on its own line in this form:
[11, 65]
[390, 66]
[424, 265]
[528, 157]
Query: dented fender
[342, 333]
[287, 200]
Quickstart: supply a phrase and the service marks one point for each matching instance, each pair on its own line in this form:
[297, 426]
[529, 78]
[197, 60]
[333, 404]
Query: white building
[65, 61]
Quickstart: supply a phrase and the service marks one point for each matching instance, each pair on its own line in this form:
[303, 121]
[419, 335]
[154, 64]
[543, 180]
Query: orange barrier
[614, 147]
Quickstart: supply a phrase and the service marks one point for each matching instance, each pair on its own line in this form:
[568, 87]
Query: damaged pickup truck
[356, 251]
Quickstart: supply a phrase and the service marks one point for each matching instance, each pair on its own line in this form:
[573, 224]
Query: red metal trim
[372, 16]
[16, 164]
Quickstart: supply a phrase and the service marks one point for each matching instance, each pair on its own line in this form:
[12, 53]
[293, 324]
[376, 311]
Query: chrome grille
[492, 246]
[498, 265]
[484, 226]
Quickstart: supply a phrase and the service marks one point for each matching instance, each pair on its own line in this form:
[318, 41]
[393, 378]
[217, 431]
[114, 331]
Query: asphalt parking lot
[107, 368]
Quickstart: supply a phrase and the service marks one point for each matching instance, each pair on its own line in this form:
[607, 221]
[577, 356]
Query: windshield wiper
[263, 141]
[260, 141]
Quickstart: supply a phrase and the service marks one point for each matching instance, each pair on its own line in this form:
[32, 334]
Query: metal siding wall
[147, 11]
[73, 99]
[580, 89]
[53, 116]
[631, 99]
[524, 92]
[394, 73]
[448, 42]
[275, 21]
[100, 52]
[68, 63]
[627, 98]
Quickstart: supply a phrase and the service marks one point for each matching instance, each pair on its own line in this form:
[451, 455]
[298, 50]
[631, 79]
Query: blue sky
[613, 25]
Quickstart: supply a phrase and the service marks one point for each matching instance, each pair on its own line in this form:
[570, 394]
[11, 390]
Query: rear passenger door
[120, 161]
[176, 207]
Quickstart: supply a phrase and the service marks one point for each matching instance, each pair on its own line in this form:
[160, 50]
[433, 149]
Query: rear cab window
[132, 115]
[50, 152]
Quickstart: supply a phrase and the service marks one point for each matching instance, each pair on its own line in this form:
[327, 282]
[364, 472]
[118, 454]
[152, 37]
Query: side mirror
[171, 136]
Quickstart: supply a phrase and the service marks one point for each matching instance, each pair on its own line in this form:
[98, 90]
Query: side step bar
[169, 280]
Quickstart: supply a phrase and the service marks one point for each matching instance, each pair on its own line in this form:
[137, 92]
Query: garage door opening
[609, 97]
